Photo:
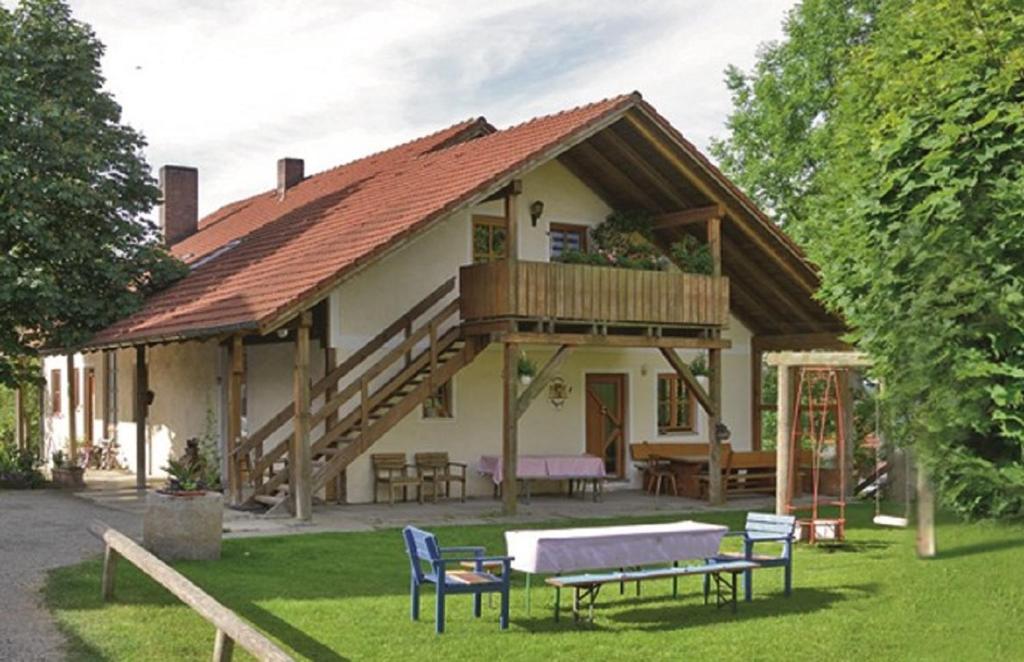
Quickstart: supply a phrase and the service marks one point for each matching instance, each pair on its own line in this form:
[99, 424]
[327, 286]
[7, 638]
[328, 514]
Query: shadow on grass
[288, 634]
[980, 548]
[661, 613]
[852, 546]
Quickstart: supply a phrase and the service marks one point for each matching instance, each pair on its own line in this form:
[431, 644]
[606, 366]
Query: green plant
[184, 476]
[580, 257]
[209, 452]
[699, 367]
[58, 458]
[19, 467]
[693, 256]
[525, 367]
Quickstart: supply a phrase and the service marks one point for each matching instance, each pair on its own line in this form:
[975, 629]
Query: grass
[345, 596]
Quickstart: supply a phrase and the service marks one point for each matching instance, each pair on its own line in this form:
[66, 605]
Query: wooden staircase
[363, 400]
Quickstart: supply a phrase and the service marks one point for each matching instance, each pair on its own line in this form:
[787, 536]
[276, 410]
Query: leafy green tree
[918, 225]
[779, 131]
[75, 250]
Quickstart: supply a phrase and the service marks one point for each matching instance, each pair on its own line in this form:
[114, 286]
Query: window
[439, 405]
[56, 395]
[677, 407]
[489, 234]
[567, 238]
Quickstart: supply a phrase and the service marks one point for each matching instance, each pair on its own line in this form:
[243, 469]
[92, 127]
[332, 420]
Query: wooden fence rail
[230, 628]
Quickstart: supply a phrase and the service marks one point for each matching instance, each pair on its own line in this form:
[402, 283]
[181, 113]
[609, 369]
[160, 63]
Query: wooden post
[784, 426]
[223, 647]
[301, 465]
[20, 433]
[337, 489]
[925, 514]
[510, 429]
[141, 409]
[715, 244]
[512, 239]
[847, 382]
[72, 414]
[235, 380]
[110, 557]
[756, 394]
[716, 495]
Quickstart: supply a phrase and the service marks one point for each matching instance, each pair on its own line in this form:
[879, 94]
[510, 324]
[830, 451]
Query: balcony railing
[576, 292]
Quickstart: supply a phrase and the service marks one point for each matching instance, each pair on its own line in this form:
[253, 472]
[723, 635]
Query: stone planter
[184, 525]
[68, 477]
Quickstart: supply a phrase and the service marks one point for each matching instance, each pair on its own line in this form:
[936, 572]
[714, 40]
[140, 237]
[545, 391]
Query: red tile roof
[256, 258]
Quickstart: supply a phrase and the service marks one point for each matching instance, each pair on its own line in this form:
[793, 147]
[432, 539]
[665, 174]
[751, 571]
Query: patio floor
[117, 490]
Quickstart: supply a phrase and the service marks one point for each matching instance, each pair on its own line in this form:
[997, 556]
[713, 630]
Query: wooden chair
[764, 527]
[391, 470]
[434, 469]
[660, 469]
[424, 550]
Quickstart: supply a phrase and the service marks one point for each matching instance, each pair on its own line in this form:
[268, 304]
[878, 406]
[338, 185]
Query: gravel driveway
[40, 530]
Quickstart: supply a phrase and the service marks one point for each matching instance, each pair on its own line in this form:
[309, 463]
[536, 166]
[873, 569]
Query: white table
[595, 548]
[547, 467]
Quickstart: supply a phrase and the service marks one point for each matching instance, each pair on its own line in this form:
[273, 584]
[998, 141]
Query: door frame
[623, 379]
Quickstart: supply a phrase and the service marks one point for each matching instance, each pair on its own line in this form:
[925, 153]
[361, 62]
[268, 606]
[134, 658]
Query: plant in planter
[699, 367]
[184, 520]
[66, 473]
[527, 370]
[19, 467]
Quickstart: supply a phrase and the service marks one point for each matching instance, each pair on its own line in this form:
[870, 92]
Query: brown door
[606, 420]
[89, 403]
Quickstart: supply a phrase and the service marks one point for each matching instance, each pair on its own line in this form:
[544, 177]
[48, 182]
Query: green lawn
[344, 596]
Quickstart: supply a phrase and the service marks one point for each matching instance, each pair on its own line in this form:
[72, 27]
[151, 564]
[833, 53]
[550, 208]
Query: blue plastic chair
[429, 564]
[764, 527]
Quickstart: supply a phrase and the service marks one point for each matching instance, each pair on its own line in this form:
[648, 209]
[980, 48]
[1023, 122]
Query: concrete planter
[183, 526]
[69, 477]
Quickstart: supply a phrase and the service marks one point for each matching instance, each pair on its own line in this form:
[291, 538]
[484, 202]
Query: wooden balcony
[589, 294]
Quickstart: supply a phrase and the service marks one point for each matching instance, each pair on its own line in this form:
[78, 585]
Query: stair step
[268, 500]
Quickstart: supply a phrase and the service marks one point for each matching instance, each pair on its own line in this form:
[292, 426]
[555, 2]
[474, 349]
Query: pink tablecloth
[545, 466]
[594, 548]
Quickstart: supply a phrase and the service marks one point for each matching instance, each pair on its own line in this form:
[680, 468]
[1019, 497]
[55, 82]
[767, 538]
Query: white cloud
[230, 87]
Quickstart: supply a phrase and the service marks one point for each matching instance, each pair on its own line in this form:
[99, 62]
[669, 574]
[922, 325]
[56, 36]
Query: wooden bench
[586, 586]
[684, 458]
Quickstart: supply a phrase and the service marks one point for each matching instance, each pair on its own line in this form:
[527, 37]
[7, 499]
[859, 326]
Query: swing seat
[891, 520]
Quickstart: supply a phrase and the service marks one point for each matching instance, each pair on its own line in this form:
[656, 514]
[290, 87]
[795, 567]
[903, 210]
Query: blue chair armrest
[483, 559]
[473, 550]
[760, 538]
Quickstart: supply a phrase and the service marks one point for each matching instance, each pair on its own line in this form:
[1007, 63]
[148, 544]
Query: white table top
[592, 548]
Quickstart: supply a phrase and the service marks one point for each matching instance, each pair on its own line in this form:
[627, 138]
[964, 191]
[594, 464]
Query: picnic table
[573, 468]
[593, 548]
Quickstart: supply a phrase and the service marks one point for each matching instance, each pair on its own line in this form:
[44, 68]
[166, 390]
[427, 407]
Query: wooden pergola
[787, 364]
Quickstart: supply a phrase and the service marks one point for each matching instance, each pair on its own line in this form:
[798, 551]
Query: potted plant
[65, 473]
[527, 370]
[185, 518]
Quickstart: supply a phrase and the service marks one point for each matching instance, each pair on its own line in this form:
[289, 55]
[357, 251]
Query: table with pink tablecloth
[574, 468]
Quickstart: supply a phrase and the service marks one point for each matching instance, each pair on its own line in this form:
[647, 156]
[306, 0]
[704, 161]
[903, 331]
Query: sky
[231, 86]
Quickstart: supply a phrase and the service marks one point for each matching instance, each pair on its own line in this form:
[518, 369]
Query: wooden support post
[715, 244]
[337, 489]
[694, 386]
[512, 239]
[784, 427]
[847, 383]
[235, 382]
[510, 429]
[542, 379]
[756, 394]
[141, 410]
[72, 413]
[20, 432]
[110, 557]
[223, 647]
[925, 514]
[301, 464]
[716, 493]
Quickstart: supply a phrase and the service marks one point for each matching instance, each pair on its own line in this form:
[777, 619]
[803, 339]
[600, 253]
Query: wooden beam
[802, 342]
[301, 464]
[756, 394]
[512, 239]
[20, 436]
[515, 187]
[831, 359]
[784, 428]
[696, 215]
[537, 338]
[715, 244]
[510, 429]
[541, 379]
[641, 164]
[338, 489]
[141, 410]
[72, 408]
[605, 167]
[684, 372]
[236, 352]
[716, 491]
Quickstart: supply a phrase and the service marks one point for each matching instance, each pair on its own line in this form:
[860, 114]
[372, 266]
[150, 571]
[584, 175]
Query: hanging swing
[875, 441]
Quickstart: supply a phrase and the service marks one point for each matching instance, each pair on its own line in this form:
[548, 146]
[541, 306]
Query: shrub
[19, 468]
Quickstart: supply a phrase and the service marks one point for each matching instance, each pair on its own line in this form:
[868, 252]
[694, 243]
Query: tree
[779, 131]
[77, 253]
[918, 225]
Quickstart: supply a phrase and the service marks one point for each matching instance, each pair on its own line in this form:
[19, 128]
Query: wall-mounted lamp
[558, 392]
[536, 209]
[282, 333]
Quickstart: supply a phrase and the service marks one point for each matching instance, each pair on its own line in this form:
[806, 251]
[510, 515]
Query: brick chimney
[179, 210]
[289, 173]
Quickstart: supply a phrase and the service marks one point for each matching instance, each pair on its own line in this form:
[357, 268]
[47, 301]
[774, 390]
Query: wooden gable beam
[692, 216]
[542, 379]
[639, 163]
[604, 166]
[688, 377]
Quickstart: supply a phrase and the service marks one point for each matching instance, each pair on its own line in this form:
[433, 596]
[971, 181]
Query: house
[383, 305]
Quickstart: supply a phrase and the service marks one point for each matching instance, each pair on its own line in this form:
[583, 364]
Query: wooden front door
[606, 420]
[88, 404]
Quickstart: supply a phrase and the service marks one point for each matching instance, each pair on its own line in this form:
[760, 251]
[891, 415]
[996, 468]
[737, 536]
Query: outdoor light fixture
[558, 392]
[282, 333]
[536, 209]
